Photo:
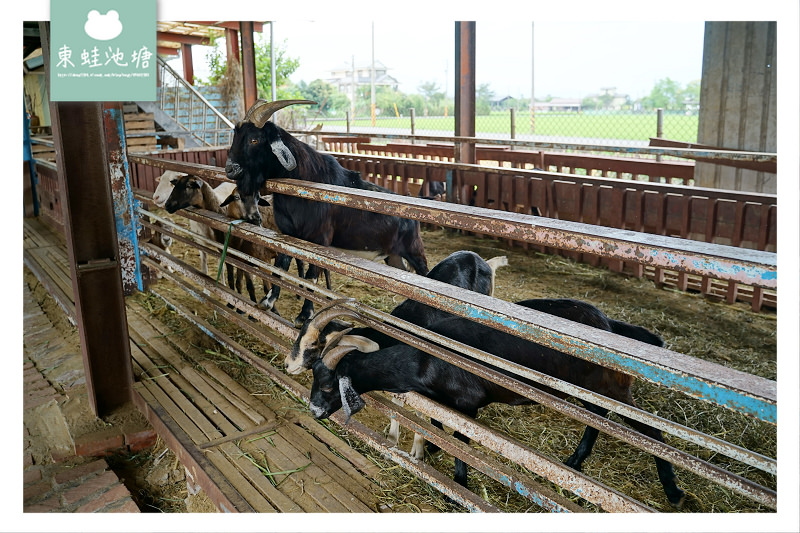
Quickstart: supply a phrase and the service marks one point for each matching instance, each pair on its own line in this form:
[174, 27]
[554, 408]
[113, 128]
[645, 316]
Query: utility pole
[353, 87]
[372, 78]
[533, 100]
[272, 69]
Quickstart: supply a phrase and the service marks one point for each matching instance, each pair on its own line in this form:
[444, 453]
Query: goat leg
[268, 302]
[666, 473]
[308, 306]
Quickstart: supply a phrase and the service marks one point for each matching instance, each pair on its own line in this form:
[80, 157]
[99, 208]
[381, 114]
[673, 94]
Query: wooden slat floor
[44, 253]
[258, 459]
[248, 455]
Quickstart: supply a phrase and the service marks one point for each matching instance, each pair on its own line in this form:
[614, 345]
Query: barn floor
[247, 454]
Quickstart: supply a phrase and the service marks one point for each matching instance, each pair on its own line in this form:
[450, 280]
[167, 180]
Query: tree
[483, 99]
[666, 94]
[284, 67]
[330, 101]
[433, 97]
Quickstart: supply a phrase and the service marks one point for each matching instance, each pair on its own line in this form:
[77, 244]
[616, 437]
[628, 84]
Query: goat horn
[260, 112]
[323, 316]
[335, 354]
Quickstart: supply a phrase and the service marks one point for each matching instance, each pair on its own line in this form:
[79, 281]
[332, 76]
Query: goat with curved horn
[261, 151]
[261, 111]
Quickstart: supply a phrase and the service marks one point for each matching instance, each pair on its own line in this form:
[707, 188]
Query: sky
[570, 59]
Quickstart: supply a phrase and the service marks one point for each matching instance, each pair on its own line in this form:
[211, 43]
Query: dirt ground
[730, 335]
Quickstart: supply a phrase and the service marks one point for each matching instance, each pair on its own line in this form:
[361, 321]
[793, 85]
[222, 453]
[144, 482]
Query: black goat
[463, 269]
[341, 375]
[261, 150]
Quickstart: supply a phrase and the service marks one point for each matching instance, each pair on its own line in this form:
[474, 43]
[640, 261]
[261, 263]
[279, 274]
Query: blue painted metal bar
[127, 224]
[736, 390]
[752, 267]
[27, 157]
[733, 389]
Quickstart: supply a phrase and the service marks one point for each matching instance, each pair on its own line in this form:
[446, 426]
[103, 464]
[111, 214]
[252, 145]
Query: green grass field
[623, 126]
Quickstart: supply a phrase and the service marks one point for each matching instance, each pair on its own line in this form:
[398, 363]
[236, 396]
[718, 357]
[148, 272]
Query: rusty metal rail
[686, 153]
[550, 469]
[743, 265]
[379, 320]
[736, 390]
[587, 487]
[752, 267]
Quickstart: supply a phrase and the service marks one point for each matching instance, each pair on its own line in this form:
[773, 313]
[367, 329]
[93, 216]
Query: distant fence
[629, 128]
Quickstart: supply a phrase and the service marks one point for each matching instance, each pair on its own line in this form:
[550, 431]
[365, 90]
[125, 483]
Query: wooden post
[188, 66]
[464, 101]
[86, 157]
[248, 64]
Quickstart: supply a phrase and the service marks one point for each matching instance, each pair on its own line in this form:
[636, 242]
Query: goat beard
[351, 401]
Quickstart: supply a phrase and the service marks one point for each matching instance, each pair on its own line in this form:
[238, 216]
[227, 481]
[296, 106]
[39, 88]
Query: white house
[342, 78]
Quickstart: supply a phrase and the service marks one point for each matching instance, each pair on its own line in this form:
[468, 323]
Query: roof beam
[166, 51]
[182, 38]
[231, 25]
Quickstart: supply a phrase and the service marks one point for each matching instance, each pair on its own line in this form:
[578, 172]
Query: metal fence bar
[723, 262]
[747, 266]
[320, 257]
[587, 487]
[561, 474]
[379, 320]
[457, 493]
[686, 153]
[733, 389]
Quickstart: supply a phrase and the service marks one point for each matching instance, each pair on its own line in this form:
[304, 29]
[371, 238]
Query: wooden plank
[65, 301]
[52, 270]
[354, 485]
[256, 410]
[138, 116]
[259, 481]
[205, 395]
[189, 419]
[239, 482]
[292, 486]
[214, 484]
[367, 467]
[311, 480]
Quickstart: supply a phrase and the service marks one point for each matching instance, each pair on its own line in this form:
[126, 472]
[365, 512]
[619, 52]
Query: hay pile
[730, 335]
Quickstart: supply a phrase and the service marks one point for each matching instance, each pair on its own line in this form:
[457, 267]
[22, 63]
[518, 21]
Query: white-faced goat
[261, 150]
[163, 190]
[463, 269]
[342, 374]
[190, 191]
[235, 206]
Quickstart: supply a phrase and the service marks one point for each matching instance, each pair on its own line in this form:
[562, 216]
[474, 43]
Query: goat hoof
[299, 321]
[677, 500]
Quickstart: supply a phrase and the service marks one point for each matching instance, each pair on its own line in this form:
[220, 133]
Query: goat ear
[195, 183]
[362, 344]
[351, 401]
[227, 200]
[283, 154]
